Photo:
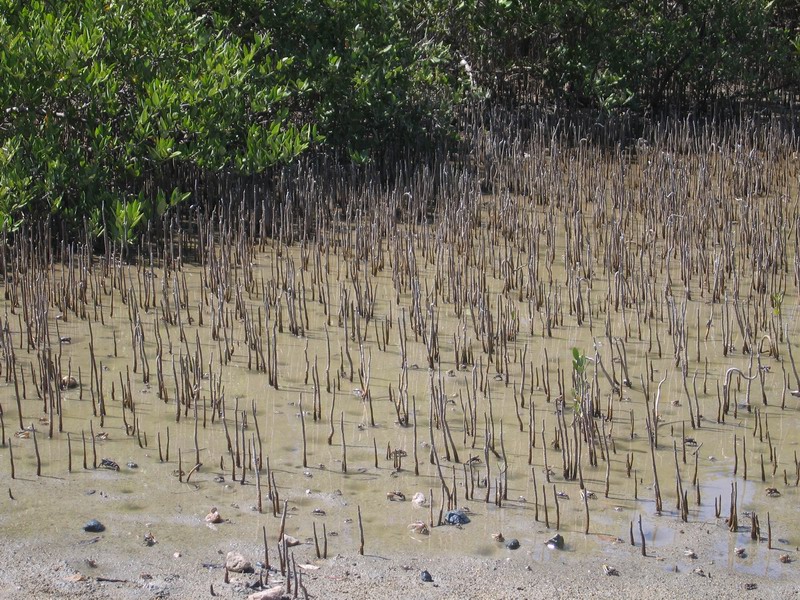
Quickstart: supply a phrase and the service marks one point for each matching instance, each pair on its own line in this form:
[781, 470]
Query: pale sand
[42, 568]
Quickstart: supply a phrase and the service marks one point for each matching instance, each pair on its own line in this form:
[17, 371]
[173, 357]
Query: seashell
[773, 492]
[107, 463]
[419, 527]
[418, 500]
[498, 537]
[689, 553]
[610, 571]
[396, 496]
[785, 558]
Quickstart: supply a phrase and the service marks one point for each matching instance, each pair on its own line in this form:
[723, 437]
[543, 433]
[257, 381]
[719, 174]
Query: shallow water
[135, 500]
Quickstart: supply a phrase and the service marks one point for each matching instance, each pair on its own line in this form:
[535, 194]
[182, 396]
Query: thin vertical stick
[94, 446]
[641, 533]
[36, 449]
[546, 516]
[344, 445]
[303, 428]
[11, 458]
[769, 533]
[558, 509]
[282, 537]
[361, 532]
[316, 539]
[266, 547]
[83, 438]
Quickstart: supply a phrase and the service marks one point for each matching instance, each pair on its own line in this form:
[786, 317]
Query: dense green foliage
[101, 98]
[104, 103]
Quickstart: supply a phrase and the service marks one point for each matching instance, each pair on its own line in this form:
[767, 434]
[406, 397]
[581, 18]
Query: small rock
[236, 563]
[512, 544]
[610, 571]
[456, 517]
[94, 526]
[557, 541]
[68, 382]
[149, 539]
[750, 586]
[132, 465]
[418, 500]
[273, 593]
[426, 577]
[157, 590]
[291, 541]
[214, 516]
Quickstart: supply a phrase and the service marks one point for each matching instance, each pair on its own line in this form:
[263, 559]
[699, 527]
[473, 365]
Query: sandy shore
[104, 566]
